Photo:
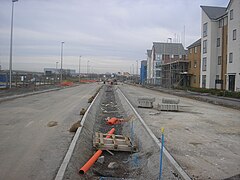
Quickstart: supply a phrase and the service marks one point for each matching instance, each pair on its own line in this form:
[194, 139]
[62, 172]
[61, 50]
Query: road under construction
[118, 139]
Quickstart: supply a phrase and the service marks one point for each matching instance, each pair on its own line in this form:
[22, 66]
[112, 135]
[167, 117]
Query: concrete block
[145, 102]
[170, 101]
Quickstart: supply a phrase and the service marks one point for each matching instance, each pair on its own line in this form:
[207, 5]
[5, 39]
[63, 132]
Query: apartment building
[143, 72]
[220, 56]
[194, 63]
[214, 47]
[149, 67]
[233, 49]
[163, 54]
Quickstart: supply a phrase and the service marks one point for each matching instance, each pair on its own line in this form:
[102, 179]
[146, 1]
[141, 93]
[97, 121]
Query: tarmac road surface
[29, 148]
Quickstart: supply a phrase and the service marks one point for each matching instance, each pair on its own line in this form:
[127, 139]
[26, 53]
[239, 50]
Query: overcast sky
[110, 34]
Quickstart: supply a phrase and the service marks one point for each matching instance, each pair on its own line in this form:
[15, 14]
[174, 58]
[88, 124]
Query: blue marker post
[161, 154]
[132, 132]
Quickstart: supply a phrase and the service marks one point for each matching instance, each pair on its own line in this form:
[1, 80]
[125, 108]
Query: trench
[143, 164]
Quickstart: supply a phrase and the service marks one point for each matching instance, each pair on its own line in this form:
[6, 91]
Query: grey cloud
[120, 29]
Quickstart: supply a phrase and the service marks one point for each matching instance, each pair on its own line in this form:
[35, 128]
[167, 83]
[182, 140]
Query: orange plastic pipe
[94, 158]
[110, 132]
[112, 121]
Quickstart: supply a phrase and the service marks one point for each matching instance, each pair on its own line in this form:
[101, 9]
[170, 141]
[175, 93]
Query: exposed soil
[110, 108]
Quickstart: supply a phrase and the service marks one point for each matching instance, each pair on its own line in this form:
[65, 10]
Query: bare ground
[203, 138]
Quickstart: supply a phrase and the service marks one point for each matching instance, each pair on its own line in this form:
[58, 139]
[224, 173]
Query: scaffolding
[175, 73]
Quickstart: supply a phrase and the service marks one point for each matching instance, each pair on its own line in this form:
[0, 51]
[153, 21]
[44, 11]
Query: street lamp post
[11, 40]
[61, 61]
[79, 67]
[56, 66]
[56, 71]
[170, 64]
[88, 67]
[137, 72]
[133, 72]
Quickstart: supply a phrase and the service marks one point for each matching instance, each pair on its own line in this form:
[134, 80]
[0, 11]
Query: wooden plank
[101, 139]
[120, 141]
[114, 143]
[119, 147]
[110, 152]
[128, 142]
[96, 138]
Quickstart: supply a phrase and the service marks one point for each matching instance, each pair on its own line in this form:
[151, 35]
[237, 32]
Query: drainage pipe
[94, 158]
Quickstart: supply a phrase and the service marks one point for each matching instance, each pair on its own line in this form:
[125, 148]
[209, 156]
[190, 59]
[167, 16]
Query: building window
[219, 60]
[195, 64]
[218, 42]
[217, 77]
[230, 57]
[204, 46]
[203, 81]
[189, 64]
[204, 64]
[194, 79]
[190, 51]
[234, 34]
[205, 30]
[195, 50]
[231, 14]
[220, 23]
[225, 21]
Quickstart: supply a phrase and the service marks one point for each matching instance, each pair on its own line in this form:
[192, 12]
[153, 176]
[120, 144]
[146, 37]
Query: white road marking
[28, 124]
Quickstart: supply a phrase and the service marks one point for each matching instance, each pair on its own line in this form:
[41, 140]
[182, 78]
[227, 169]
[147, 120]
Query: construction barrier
[66, 83]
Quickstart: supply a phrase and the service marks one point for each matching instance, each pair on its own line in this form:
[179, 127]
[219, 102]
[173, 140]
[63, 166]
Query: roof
[149, 53]
[143, 63]
[214, 12]
[229, 4]
[169, 48]
[196, 43]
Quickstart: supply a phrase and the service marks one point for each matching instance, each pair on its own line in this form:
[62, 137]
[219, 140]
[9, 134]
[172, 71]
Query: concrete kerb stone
[201, 97]
[176, 166]
[63, 167]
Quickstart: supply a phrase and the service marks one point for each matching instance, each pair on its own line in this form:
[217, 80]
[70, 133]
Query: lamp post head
[14, 0]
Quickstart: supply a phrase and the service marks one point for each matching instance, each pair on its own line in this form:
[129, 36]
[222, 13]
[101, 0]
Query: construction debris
[113, 142]
[90, 99]
[94, 158]
[110, 152]
[101, 160]
[52, 123]
[154, 113]
[114, 120]
[82, 112]
[75, 126]
[113, 165]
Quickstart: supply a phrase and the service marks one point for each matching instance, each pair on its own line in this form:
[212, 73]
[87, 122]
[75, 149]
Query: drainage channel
[143, 164]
